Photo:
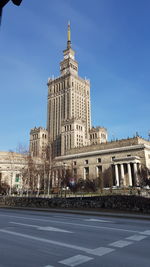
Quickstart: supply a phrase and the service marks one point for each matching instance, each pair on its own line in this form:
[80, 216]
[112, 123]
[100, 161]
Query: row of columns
[123, 174]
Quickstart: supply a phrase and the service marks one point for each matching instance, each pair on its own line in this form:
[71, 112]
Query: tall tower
[69, 115]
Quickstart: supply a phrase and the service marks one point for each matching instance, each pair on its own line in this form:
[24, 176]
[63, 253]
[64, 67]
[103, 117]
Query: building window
[99, 160]
[99, 171]
[86, 161]
[74, 172]
[74, 163]
[17, 178]
[113, 158]
[129, 155]
[86, 173]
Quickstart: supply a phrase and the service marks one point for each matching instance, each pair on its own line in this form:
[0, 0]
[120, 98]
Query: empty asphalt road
[45, 239]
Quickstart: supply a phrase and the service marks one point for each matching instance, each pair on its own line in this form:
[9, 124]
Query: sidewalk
[108, 213]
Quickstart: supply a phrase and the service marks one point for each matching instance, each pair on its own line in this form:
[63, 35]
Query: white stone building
[11, 165]
[124, 157]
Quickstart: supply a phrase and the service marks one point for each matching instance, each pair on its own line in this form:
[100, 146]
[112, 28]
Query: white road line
[102, 251]
[45, 240]
[98, 251]
[147, 232]
[43, 228]
[97, 220]
[76, 260]
[75, 224]
[136, 237]
[121, 244]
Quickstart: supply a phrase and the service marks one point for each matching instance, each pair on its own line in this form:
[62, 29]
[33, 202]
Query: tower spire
[69, 36]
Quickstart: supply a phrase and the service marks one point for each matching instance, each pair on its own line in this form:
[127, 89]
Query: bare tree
[30, 176]
[143, 176]
[48, 164]
[108, 178]
[99, 183]
[11, 158]
[4, 188]
[22, 149]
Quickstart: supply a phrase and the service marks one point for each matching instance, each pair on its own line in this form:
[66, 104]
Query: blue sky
[112, 43]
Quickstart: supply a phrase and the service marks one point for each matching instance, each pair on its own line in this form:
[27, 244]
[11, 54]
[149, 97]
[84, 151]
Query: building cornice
[102, 152]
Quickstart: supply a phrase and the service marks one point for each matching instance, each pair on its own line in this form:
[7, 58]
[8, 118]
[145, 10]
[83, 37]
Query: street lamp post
[11, 177]
[64, 167]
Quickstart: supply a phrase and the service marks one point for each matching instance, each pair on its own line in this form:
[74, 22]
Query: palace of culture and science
[69, 118]
[71, 140]
[69, 109]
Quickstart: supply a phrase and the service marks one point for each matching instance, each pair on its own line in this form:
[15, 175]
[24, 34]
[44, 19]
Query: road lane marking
[62, 244]
[75, 224]
[147, 232]
[75, 260]
[136, 237]
[97, 220]
[98, 251]
[102, 251]
[121, 244]
[43, 228]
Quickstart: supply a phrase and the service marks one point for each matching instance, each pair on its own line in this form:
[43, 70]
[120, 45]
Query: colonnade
[56, 174]
[132, 174]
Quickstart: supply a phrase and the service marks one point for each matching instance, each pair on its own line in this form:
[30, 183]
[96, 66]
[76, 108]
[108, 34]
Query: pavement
[101, 212]
[30, 238]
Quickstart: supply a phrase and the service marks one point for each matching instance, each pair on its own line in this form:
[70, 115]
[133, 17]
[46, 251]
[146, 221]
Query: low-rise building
[124, 157]
[11, 165]
[18, 171]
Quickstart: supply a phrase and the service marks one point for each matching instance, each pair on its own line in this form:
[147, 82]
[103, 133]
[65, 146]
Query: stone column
[49, 181]
[53, 181]
[56, 179]
[129, 174]
[135, 173]
[38, 185]
[122, 174]
[117, 175]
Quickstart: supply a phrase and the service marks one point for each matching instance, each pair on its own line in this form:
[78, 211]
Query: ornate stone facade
[12, 167]
[98, 135]
[69, 111]
[72, 142]
[38, 142]
[124, 157]
[11, 164]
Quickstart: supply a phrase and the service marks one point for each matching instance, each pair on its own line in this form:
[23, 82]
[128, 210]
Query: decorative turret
[69, 64]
